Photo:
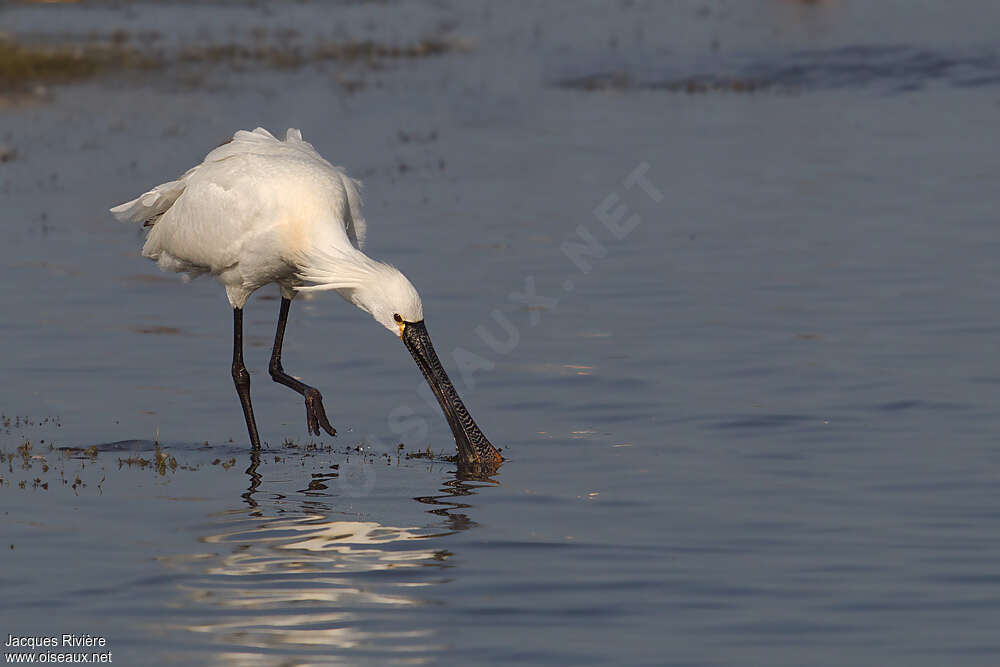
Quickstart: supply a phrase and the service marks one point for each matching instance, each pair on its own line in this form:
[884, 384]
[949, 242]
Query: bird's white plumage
[259, 210]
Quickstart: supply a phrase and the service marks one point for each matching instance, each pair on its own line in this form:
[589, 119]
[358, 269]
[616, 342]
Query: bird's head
[379, 289]
[389, 297]
[384, 292]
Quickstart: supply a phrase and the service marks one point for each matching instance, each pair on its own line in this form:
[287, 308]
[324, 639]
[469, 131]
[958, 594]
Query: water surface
[749, 418]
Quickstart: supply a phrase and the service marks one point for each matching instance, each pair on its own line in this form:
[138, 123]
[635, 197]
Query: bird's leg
[242, 377]
[315, 414]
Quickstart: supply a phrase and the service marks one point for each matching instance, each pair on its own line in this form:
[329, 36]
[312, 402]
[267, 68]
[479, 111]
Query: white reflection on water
[303, 584]
[332, 545]
[292, 582]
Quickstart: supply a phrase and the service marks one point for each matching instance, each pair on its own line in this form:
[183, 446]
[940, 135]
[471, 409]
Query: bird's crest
[374, 286]
[336, 268]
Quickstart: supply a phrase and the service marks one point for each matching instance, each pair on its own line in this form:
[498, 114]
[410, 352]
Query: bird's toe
[316, 414]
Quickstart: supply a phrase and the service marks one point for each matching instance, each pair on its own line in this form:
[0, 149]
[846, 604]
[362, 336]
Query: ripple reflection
[312, 584]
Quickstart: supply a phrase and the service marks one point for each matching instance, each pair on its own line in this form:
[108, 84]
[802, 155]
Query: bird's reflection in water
[292, 574]
[446, 505]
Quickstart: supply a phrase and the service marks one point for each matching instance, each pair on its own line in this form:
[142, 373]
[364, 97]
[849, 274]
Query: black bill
[473, 447]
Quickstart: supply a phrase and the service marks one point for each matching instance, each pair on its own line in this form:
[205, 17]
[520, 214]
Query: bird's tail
[150, 205]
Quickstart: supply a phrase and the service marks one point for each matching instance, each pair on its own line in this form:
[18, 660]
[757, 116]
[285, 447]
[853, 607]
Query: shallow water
[753, 424]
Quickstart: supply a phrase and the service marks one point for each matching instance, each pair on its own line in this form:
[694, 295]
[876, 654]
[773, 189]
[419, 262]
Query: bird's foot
[316, 415]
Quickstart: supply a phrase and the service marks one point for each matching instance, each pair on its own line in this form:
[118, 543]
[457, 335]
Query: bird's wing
[353, 219]
[154, 203]
[356, 226]
[157, 201]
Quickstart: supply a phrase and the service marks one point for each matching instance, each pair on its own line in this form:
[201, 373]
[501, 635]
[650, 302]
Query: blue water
[749, 418]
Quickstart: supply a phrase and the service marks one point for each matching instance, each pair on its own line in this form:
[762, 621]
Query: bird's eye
[396, 317]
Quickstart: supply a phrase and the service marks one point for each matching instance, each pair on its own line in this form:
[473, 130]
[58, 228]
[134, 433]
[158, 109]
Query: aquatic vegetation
[25, 63]
[163, 461]
[368, 50]
[12, 422]
[32, 466]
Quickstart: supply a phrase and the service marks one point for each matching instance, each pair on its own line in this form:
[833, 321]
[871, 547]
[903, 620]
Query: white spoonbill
[259, 210]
